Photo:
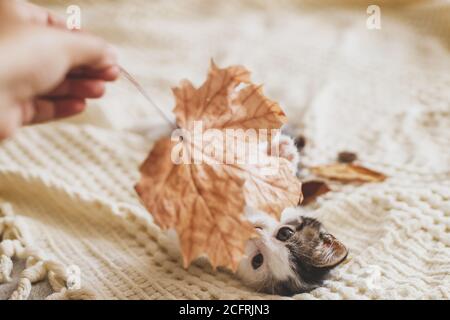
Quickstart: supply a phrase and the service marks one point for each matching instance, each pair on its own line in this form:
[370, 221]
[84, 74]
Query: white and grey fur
[299, 259]
[295, 262]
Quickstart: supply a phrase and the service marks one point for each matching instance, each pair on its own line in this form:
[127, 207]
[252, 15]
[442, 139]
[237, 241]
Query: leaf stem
[147, 97]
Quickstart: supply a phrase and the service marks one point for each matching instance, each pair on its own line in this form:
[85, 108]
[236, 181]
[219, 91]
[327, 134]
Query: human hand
[46, 71]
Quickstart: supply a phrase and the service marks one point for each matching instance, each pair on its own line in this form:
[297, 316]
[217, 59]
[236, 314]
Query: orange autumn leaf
[199, 201]
[218, 106]
[345, 172]
[204, 201]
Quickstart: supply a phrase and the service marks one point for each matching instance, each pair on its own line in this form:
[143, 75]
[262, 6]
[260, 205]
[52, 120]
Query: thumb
[85, 50]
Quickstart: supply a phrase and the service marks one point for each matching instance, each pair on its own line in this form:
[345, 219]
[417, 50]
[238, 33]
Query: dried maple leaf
[313, 189]
[204, 201]
[218, 106]
[345, 172]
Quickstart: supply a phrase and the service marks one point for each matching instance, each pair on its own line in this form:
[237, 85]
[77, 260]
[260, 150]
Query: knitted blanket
[69, 216]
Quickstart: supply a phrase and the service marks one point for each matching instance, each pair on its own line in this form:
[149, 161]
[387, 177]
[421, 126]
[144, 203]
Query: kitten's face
[290, 258]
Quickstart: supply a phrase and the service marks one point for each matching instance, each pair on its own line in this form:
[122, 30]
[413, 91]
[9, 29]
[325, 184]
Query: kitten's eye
[257, 261]
[284, 233]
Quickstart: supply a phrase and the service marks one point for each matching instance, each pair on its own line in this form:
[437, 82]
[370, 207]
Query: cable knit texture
[66, 189]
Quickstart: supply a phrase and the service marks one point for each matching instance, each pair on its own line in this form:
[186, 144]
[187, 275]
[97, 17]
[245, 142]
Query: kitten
[289, 257]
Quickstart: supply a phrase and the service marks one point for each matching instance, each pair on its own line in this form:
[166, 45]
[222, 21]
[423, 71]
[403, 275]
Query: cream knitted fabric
[68, 187]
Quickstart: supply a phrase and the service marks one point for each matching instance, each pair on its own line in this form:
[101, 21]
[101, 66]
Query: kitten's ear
[329, 253]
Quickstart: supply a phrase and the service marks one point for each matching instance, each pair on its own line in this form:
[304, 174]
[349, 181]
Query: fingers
[87, 51]
[46, 109]
[39, 15]
[27, 109]
[10, 121]
[105, 70]
[41, 110]
[108, 74]
[79, 88]
[45, 57]
[19, 11]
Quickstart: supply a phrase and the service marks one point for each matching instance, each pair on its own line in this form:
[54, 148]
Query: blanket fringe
[13, 244]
